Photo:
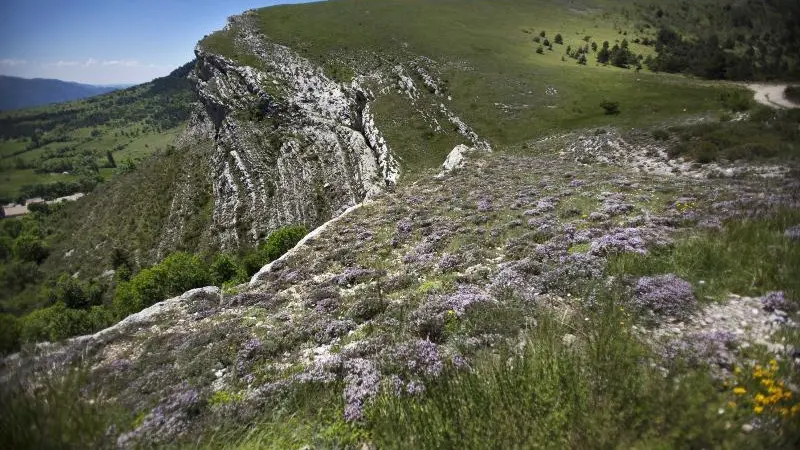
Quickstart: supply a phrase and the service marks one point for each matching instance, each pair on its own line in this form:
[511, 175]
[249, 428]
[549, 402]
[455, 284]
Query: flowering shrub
[620, 240]
[247, 355]
[665, 295]
[166, 420]
[774, 301]
[761, 390]
[362, 383]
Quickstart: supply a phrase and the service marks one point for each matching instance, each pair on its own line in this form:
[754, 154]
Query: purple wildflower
[484, 205]
[620, 240]
[361, 384]
[246, 356]
[774, 301]
[665, 295]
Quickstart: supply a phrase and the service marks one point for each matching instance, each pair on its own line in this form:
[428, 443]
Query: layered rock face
[289, 144]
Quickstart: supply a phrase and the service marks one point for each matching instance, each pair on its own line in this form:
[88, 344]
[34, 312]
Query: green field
[70, 141]
[485, 55]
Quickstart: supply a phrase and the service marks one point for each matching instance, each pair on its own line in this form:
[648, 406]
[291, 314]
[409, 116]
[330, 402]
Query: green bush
[610, 108]
[737, 101]
[176, 274]
[30, 248]
[660, 135]
[278, 243]
[54, 323]
[282, 240]
[793, 94]
[9, 334]
[227, 268]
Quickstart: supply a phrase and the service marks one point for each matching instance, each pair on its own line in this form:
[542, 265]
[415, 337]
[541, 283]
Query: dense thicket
[726, 39]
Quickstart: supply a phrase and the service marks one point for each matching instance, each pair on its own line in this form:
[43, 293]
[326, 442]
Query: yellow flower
[738, 390]
[773, 363]
[759, 398]
[737, 370]
[731, 404]
[758, 409]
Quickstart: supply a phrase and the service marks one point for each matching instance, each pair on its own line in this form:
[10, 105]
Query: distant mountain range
[16, 93]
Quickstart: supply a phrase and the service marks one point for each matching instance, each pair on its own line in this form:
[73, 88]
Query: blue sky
[107, 41]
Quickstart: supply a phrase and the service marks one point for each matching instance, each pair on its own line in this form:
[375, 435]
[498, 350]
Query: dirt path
[772, 95]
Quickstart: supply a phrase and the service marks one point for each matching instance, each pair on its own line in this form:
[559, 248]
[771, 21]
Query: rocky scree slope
[416, 281]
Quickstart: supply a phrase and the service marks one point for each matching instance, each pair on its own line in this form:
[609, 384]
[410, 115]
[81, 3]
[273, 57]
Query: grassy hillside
[486, 55]
[82, 142]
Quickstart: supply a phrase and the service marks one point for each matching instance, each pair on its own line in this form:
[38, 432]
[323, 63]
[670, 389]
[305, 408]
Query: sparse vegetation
[747, 257]
[766, 134]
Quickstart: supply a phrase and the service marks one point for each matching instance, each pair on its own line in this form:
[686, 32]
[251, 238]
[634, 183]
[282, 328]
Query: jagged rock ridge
[290, 145]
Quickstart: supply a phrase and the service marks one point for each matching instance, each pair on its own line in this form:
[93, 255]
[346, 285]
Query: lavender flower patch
[419, 358]
[665, 295]
[544, 205]
[597, 216]
[619, 240]
[353, 275]
[323, 300]
[484, 205]
[404, 227]
[328, 330]
[362, 383]
[168, 420]
[263, 299]
[247, 356]
[517, 278]
[715, 347]
[774, 301]
[464, 297]
[400, 388]
[613, 208]
[450, 262]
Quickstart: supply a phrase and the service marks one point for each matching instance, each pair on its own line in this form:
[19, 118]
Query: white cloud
[124, 63]
[62, 64]
[10, 62]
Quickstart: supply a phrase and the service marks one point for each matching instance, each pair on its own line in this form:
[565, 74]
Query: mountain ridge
[19, 93]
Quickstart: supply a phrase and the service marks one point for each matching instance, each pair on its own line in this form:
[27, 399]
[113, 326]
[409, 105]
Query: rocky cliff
[290, 145]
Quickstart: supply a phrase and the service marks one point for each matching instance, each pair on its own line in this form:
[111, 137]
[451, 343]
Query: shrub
[226, 268]
[176, 274]
[53, 324]
[9, 334]
[74, 293]
[792, 93]
[30, 248]
[665, 295]
[736, 101]
[540, 50]
[660, 135]
[558, 39]
[278, 243]
[610, 108]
